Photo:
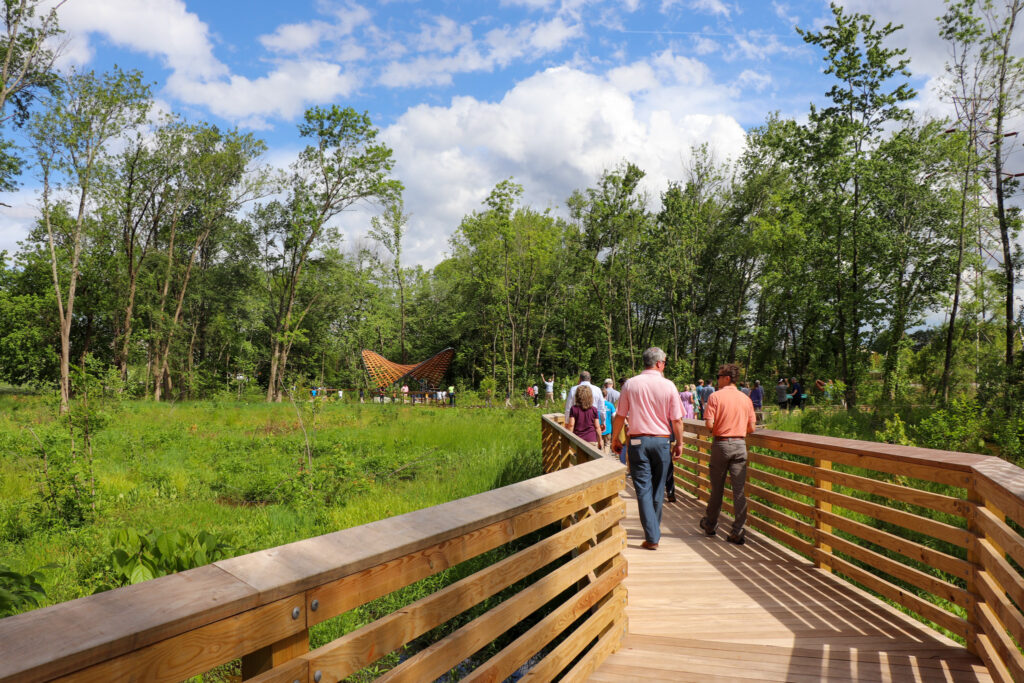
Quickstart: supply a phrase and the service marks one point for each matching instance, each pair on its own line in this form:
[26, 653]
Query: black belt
[730, 438]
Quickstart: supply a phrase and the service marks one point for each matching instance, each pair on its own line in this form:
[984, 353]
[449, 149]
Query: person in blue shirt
[606, 435]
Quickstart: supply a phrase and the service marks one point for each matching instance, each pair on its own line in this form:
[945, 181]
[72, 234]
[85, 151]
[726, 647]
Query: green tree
[389, 229]
[27, 55]
[837, 150]
[343, 164]
[71, 138]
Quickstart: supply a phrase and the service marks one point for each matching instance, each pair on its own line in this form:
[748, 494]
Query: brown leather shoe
[647, 545]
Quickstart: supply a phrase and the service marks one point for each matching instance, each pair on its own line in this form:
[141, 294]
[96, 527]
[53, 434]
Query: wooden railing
[260, 607]
[935, 532]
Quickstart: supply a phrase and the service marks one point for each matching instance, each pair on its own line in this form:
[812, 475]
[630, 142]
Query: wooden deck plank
[701, 609]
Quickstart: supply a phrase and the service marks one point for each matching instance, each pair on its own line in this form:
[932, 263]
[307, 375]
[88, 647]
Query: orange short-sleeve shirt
[731, 412]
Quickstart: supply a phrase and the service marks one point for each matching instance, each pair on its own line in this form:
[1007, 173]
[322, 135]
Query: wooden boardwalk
[702, 609]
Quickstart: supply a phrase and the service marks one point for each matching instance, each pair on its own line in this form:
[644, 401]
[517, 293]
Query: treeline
[858, 236]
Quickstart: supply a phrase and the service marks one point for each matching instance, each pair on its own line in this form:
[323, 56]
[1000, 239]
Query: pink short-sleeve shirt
[650, 403]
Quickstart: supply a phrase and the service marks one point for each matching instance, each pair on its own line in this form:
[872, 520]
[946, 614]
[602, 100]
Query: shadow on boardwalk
[701, 609]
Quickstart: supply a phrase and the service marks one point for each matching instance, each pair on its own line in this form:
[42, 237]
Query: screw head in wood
[314, 605]
[317, 676]
[296, 612]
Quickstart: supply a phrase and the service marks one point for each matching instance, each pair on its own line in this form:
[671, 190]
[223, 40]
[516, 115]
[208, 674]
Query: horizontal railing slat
[441, 656]
[305, 564]
[505, 663]
[559, 658]
[51, 642]
[362, 647]
[342, 595]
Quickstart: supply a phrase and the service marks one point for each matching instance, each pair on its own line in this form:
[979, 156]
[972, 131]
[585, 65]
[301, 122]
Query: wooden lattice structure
[384, 372]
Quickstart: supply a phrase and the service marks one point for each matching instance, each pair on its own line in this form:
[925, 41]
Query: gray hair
[653, 356]
[584, 376]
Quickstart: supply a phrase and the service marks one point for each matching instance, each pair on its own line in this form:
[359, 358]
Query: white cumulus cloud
[554, 132]
[163, 28]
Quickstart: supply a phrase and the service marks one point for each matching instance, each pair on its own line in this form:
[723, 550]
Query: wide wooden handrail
[935, 532]
[259, 607]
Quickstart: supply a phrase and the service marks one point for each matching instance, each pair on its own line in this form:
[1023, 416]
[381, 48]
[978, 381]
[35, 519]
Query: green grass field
[254, 475]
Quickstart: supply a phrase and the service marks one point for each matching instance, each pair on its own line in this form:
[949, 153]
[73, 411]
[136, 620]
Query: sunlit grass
[241, 470]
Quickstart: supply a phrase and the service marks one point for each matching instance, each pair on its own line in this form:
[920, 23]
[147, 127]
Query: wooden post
[276, 654]
[973, 557]
[822, 527]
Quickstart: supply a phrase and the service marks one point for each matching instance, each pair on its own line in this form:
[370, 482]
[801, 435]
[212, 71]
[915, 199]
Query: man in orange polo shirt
[730, 417]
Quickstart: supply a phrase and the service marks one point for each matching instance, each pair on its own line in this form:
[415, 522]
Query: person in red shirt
[730, 417]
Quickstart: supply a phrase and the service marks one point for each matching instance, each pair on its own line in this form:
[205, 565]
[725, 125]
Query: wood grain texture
[701, 609]
[1008, 652]
[54, 641]
[829, 520]
[201, 649]
[1009, 616]
[1000, 534]
[275, 655]
[607, 643]
[559, 658]
[351, 591]
[920, 463]
[993, 562]
[990, 656]
[297, 567]
[367, 644]
[1003, 484]
[516, 653]
[446, 653]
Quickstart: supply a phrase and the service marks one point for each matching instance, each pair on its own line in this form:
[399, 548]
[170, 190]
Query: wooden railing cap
[288, 569]
[53, 641]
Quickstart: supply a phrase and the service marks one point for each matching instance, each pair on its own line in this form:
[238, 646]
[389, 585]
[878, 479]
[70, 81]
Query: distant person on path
[686, 396]
[536, 396]
[583, 420]
[730, 417]
[781, 394]
[698, 398]
[797, 392]
[613, 395]
[405, 393]
[361, 395]
[606, 434]
[705, 392]
[757, 398]
[651, 404]
[598, 397]
[549, 389]
[744, 389]
[451, 395]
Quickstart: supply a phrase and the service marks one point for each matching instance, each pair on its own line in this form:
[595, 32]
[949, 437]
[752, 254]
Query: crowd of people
[643, 425]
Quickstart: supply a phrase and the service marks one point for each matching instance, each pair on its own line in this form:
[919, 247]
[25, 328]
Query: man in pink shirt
[651, 404]
[730, 417]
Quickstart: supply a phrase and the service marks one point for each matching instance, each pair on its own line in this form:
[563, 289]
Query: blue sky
[550, 92]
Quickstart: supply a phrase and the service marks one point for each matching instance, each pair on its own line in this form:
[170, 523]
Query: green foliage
[237, 471]
[895, 432]
[138, 557]
[959, 427]
[19, 592]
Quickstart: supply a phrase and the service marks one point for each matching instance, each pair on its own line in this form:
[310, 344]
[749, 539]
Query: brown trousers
[728, 457]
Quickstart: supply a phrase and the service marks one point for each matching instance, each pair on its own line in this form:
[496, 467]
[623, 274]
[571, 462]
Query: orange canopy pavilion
[384, 372]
